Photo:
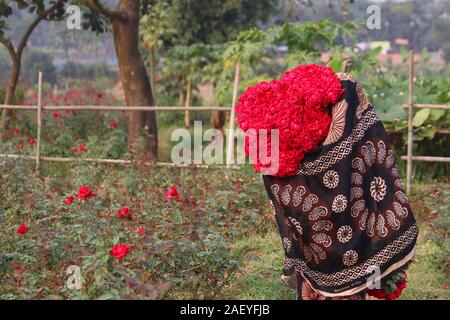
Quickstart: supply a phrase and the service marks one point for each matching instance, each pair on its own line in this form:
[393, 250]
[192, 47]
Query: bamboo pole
[428, 106]
[230, 142]
[117, 108]
[410, 125]
[114, 161]
[438, 131]
[39, 126]
[427, 158]
[187, 118]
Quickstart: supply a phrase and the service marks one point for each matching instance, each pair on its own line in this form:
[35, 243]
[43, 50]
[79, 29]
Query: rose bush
[174, 249]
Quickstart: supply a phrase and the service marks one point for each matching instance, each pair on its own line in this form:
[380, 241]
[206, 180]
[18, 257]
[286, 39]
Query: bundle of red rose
[296, 105]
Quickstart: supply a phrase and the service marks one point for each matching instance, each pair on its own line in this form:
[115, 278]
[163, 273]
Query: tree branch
[41, 16]
[9, 46]
[95, 5]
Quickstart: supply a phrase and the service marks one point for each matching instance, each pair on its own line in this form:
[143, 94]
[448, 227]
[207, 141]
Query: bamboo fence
[39, 108]
[409, 157]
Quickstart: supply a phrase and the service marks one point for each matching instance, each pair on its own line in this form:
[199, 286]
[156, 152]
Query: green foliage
[181, 22]
[31, 6]
[259, 51]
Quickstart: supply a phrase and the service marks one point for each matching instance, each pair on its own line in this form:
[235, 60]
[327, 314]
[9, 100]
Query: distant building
[401, 42]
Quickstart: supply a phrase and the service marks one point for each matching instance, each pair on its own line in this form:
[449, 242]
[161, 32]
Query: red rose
[84, 193]
[172, 193]
[69, 200]
[124, 213]
[113, 124]
[31, 140]
[119, 251]
[16, 131]
[80, 148]
[57, 115]
[380, 294]
[22, 229]
[141, 230]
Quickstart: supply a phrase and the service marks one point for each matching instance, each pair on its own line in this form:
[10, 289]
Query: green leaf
[436, 114]
[336, 64]
[116, 239]
[420, 117]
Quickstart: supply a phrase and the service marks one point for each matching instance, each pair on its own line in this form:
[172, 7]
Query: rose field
[98, 96]
[146, 232]
[213, 240]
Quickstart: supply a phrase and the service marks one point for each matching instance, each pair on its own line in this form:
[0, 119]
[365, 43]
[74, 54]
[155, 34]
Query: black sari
[344, 219]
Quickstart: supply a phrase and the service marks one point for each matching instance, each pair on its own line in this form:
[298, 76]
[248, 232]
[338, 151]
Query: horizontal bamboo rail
[427, 106]
[115, 161]
[439, 131]
[427, 158]
[117, 108]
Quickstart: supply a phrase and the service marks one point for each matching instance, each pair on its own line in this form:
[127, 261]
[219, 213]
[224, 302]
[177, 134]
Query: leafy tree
[42, 11]
[184, 22]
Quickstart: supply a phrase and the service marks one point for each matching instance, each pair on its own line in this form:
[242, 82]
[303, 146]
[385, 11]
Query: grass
[260, 275]
[261, 257]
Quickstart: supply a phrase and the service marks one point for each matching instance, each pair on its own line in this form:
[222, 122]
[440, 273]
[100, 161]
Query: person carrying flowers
[346, 227]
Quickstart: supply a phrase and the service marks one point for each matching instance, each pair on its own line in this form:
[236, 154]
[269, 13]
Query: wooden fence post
[187, 116]
[410, 124]
[39, 125]
[230, 142]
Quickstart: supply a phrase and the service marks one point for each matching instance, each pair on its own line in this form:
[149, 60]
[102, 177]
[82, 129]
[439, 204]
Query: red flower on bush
[380, 294]
[141, 230]
[119, 251]
[57, 115]
[22, 229]
[123, 213]
[84, 193]
[172, 193]
[113, 124]
[296, 105]
[16, 131]
[69, 200]
[31, 141]
[80, 148]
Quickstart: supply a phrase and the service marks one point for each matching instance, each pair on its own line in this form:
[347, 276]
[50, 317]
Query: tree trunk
[10, 91]
[135, 81]
[218, 118]
[153, 69]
